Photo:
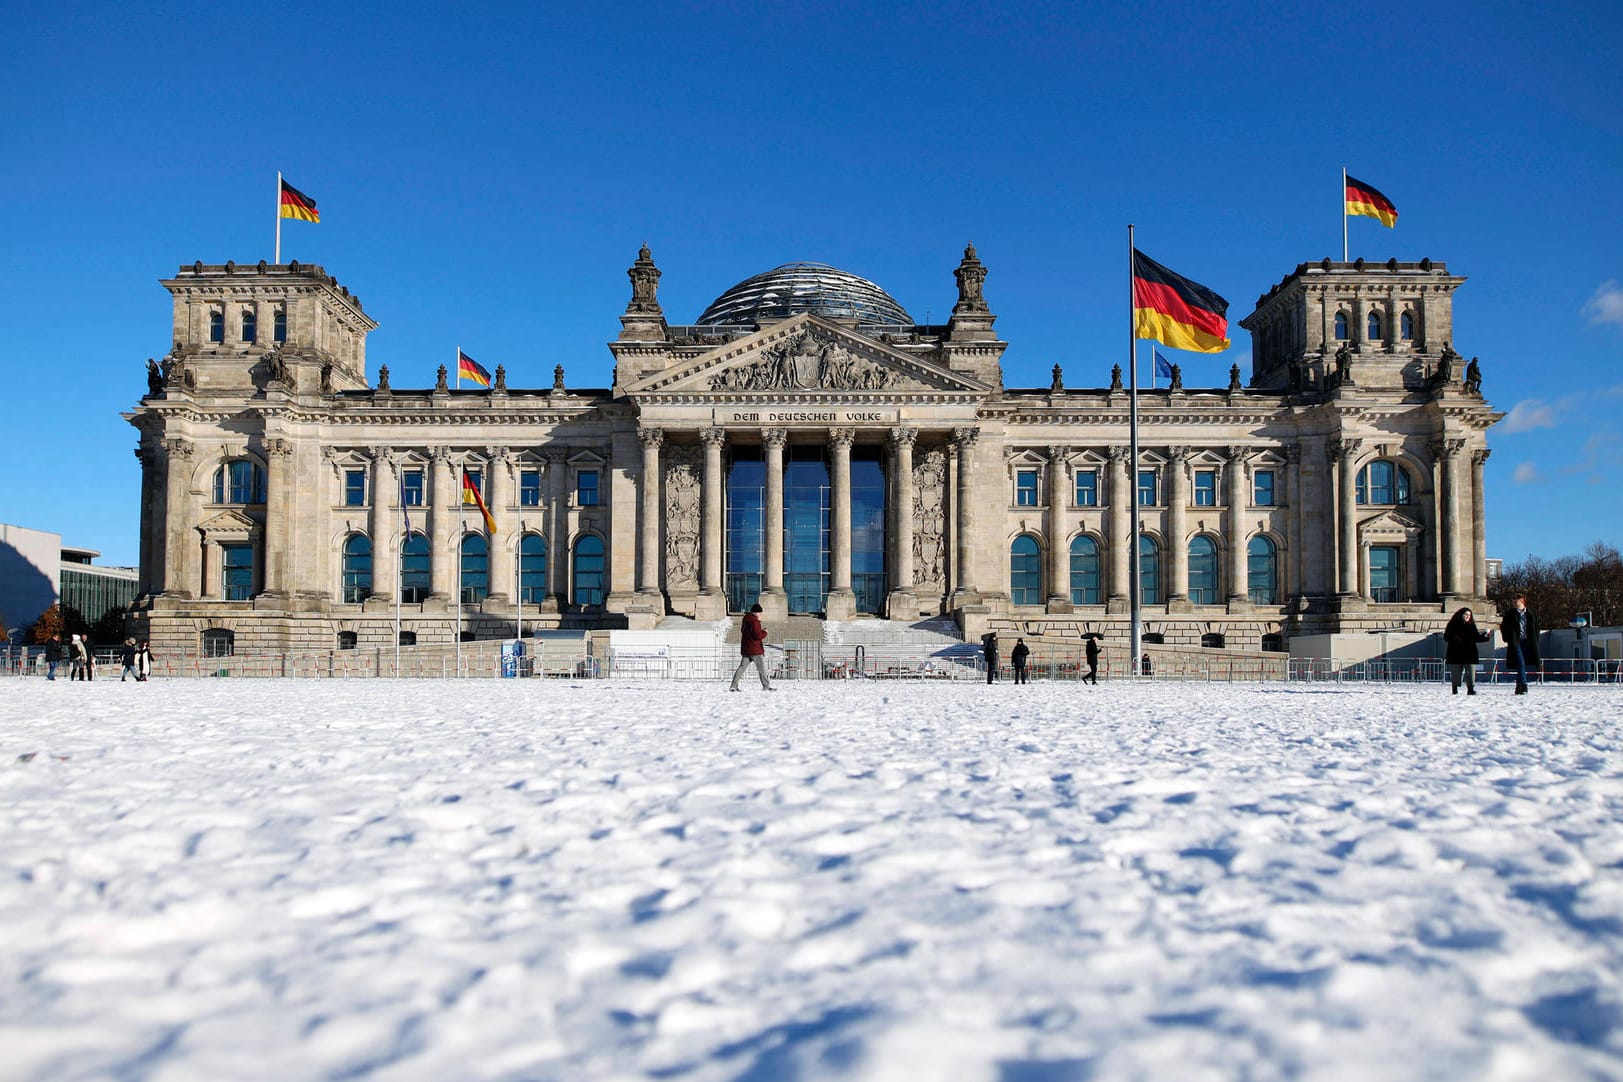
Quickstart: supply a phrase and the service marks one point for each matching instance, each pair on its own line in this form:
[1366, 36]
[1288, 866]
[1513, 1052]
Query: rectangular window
[216, 326]
[1383, 573]
[1205, 488]
[586, 488]
[1147, 494]
[237, 572]
[279, 324]
[411, 488]
[1262, 488]
[477, 479]
[354, 488]
[250, 325]
[1087, 488]
[529, 488]
[1025, 488]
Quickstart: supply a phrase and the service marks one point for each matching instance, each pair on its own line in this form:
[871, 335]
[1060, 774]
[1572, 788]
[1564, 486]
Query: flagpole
[400, 561]
[461, 532]
[458, 365]
[1344, 214]
[1136, 631]
[278, 258]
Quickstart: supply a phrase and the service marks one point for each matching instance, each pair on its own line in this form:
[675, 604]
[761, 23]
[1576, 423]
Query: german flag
[1364, 199]
[470, 494]
[468, 368]
[1175, 311]
[295, 204]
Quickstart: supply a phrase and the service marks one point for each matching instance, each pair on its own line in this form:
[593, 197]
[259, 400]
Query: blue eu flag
[1162, 368]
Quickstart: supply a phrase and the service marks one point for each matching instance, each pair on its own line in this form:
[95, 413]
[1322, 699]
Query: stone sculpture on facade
[644, 284]
[558, 378]
[930, 520]
[807, 361]
[154, 378]
[439, 380]
[1234, 379]
[1473, 377]
[1115, 377]
[500, 383]
[383, 379]
[684, 472]
[1177, 378]
[1344, 377]
[1058, 384]
[971, 275]
[1445, 365]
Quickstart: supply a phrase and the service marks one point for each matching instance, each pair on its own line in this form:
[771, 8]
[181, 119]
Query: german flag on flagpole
[467, 367]
[295, 204]
[1175, 311]
[470, 494]
[1366, 200]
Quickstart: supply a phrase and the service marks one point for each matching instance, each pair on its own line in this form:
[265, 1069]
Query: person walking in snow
[989, 648]
[1093, 661]
[76, 659]
[143, 661]
[1017, 658]
[1520, 632]
[1460, 640]
[53, 655]
[127, 656]
[752, 648]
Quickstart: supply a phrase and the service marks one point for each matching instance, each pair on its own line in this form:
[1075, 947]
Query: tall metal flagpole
[458, 364]
[1344, 214]
[1135, 586]
[461, 532]
[278, 258]
[400, 561]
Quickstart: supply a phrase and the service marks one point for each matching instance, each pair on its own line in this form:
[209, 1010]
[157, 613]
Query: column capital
[1058, 454]
[1480, 456]
[841, 437]
[441, 455]
[650, 437]
[1118, 455]
[963, 438]
[904, 435]
[1178, 454]
[1344, 449]
[177, 448]
[713, 437]
[1446, 447]
[774, 437]
[1291, 453]
[274, 448]
[495, 455]
[555, 456]
[1239, 454]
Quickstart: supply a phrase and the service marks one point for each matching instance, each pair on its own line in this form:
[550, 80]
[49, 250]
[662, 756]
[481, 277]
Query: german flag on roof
[1366, 200]
[1175, 311]
[295, 204]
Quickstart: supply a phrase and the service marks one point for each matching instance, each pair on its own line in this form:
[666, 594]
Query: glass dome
[804, 287]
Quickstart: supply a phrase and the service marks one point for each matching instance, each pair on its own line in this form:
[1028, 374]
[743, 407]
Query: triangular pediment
[228, 524]
[805, 355]
[1388, 525]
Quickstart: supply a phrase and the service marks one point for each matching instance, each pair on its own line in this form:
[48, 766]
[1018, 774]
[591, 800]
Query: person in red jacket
[752, 645]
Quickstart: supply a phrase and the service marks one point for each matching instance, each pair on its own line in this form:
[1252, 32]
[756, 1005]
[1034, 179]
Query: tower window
[1087, 488]
[1383, 482]
[1025, 488]
[1341, 326]
[1205, 488]
[1375, 326]
[529, 488]
[1262, 488]
[216, 325]
[1406, 326]
[586, 490]
[250, 325]
[411, 488]
[354, 488]
[279, 324]
[1147, 494]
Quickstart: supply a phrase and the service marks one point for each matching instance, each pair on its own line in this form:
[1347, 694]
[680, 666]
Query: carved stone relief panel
[684, 472]
[930, 520]
[806, 361]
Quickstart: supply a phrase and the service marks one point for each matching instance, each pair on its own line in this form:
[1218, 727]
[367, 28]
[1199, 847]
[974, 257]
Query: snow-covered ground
[230, 879]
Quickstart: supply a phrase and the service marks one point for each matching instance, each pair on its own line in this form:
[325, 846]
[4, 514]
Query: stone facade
[1340, 490]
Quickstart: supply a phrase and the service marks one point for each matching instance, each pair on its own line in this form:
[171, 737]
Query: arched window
[475, 568]
[216, 326]
[250, 325]
[357, 562]
[1374, 326]
[1406, 326]
[1262, 571]
[414, 563]
[1084, 571]
[218, 642]
[1025, 571]
[1383, 482]
[279, 324]
[348, 640]
[588, 578]
[1149, 570]
[1202, 571]
[532, 569]
[1341, 326]
[239, 481]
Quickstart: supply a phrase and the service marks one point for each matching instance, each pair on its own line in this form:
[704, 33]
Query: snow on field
[228, 879]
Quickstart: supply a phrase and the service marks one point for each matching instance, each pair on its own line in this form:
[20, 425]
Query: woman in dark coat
[1460, 639]
[752, 648]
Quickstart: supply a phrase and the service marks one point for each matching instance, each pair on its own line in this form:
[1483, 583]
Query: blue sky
[485, 176]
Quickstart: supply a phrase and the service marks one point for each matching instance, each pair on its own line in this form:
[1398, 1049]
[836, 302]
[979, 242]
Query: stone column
[498, 494]
[773, 439]
[841, 603]
[648, 570]
[1447, 452]
[1177, 548]
[279, 503]
[1344, 452]
[1059, 556]
[150, 576]
[713, 602]
[1239, 497]
[442, 517]
[963, 442]
[903, 602]
[1479, 530]
[1122, 551]
[381, 525]
[557, 526]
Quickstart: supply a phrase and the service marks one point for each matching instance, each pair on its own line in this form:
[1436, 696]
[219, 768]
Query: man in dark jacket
[1520, 632]
[1460, 640]
[53, 655]
[1093, 661]
[1017, 658]
[989, 647]
[752, 648]
[127, 655]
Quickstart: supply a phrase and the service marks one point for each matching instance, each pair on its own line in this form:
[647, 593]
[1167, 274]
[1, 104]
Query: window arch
[532, 569]
[219, 642]
[1025, 571]
[1149, 570]
[587, 584]
[357, 568]
[414, 565]
[279, 324]
[1406, 326]
[250, 325]
[475, 568]
[1084, 570]
[1202, 571]
[1262, 571]
[1341, 326]
[216, 325]
[1374, 327]
[1383, 482]
[239, 481]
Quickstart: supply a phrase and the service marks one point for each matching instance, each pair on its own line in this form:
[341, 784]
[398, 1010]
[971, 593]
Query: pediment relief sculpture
[806, 360]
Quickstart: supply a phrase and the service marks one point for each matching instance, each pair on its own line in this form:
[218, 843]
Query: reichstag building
[807, 444]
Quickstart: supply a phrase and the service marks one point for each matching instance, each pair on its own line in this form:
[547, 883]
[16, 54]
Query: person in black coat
[1460, 640]
[1520, 632]
[989, 647]
[53, 655]
[127, 656]
[1017, 658]
[1093, 662]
